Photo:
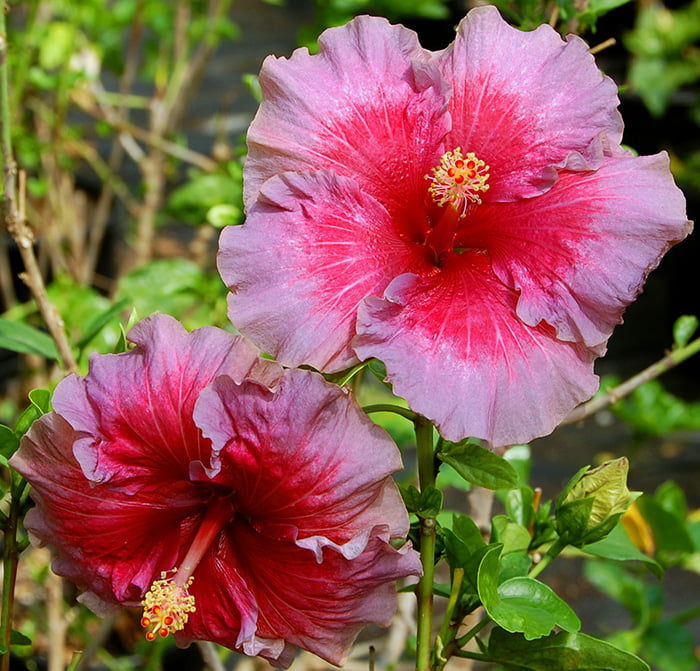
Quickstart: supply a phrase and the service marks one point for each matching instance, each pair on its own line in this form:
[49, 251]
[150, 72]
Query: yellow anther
[166, 606]
[458, 180]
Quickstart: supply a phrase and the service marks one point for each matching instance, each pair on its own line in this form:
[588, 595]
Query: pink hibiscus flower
[236, 503]
[466, 216]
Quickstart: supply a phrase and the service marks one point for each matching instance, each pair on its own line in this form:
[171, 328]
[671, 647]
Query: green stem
[463, 640]
[389, 407]
[10, 559]
[554, 550]
[687, 615]
[75, 660]
[426, 478]
[448, 629]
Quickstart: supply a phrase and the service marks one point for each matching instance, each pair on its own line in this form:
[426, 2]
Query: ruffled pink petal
[367, 106]
[523, 101]
[135, 409]
[318, 606]
[456, 351]
[315, 509]
[313, 247]
[580, 253]
[321, 479]
[108, 542]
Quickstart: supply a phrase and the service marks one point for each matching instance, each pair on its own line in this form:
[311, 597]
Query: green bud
[592, 503]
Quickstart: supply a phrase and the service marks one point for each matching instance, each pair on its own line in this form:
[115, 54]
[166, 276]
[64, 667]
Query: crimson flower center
[168, 604]
[455, 186]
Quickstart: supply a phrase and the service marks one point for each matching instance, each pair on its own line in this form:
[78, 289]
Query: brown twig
[672, 359]
[14, 217]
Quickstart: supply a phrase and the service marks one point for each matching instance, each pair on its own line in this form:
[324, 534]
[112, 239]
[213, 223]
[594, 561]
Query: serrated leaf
[521, 605]
[19, 337]
[563, 651]
[478, 465]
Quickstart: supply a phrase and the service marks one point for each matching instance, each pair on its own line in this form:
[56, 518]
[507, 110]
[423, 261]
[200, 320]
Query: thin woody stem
[673, 358]
[14, 217]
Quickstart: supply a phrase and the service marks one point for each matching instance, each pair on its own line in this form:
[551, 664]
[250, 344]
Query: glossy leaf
[514, 537]
[521, 604]
[618, 546]
[478, 465]
[563, 651]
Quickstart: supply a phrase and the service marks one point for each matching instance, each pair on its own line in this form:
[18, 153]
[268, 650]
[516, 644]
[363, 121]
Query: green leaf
[521, 604]
[643, 600]
[58, 45]
[520, 505]
[100, 321]
[224, 214]
[514, 564]
[563, 651]
[23, 338]
[670, 647]
[520, 458]
[18, 638]
[9, 442]
[672, 499]
[513, 536]
[464, 547]
[40, 404]
[41, 400]
[192, 201]
[427, 503]
[478, 465]
[618, 546]
[683, 330]
[671, 537]
[466, 530]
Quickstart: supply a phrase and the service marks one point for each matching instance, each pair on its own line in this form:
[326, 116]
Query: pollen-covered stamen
[168, 604]
[458, 180]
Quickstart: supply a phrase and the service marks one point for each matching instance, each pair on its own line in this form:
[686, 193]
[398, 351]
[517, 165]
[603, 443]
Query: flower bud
[592, 503]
